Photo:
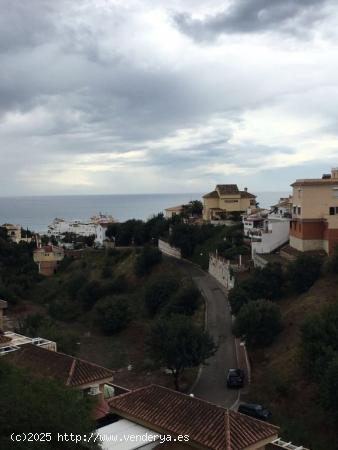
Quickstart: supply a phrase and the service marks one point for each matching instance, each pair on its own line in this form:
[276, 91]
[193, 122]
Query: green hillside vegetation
[18, 272]
[294, 355]
[102, 308]
[42, 406]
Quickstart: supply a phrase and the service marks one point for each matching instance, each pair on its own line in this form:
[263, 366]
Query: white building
[96, 226]
[269, 230]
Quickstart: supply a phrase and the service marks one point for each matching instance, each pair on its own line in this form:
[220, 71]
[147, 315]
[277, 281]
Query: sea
[37, 212]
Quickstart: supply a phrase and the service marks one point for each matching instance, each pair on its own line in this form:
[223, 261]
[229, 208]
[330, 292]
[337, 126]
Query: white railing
[288, 445]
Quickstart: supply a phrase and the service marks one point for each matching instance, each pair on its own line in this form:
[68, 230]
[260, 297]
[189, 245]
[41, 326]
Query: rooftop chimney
[246, 189]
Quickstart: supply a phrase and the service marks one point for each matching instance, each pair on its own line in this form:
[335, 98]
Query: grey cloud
[249, 16]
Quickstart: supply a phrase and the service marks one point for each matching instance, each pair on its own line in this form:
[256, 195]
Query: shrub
[332, 264]
[238, 297]
[303, 272]
[185, 301]
[89, 294]
[258, 322]
[158, 292]
[319, 342]
[147, 259]
[106, 272]
[75, 283]
[64, 309]
[113, 314]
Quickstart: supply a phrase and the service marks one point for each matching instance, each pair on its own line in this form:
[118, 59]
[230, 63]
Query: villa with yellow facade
[314, 224]
[226, 198]
[48, 258]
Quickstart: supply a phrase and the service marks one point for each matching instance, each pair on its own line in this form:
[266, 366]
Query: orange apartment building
[314, 224]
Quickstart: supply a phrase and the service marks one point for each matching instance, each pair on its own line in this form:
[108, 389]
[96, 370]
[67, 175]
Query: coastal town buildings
[268, 230]
[96, 226]
[225, 199]
[314, 224]
[15, 233]
[48, 257]
[173, 211]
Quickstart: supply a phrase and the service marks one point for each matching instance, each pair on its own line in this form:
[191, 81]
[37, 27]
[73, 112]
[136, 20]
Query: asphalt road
[211, 384]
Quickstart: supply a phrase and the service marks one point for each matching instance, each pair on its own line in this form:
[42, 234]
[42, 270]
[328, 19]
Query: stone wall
[220, 269]
[167, 249]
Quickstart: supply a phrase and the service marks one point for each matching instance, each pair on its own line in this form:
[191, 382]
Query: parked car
[254, 410]
[235, 378]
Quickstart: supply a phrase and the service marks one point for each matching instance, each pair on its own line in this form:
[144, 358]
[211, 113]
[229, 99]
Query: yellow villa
[226, 198]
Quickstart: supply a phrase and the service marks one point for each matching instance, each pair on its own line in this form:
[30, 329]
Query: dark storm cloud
[251, 16]
[26, 23]
[105, 84]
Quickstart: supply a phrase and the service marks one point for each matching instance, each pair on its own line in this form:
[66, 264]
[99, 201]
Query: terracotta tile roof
[315, 182]
[46, 363]
[213, 194]
[175, 208]
[225, 189]
[246, 194]
[207, 425]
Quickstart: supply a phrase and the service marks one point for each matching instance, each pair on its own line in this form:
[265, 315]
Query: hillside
[71, 307]
[278, 381]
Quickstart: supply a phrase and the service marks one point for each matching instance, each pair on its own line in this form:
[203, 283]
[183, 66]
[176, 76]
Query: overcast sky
[141, 96]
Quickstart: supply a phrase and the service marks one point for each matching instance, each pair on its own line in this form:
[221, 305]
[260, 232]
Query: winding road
[211, 383]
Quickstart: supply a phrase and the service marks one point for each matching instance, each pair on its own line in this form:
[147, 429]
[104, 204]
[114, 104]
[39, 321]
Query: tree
[333, 261]
[39, 405]
[238, 297]
[176, 343]
[193, 208]
[147, 259]
[113, 314]
[329, 387]
[159, 291]
[303, 272]
[258, 322]
[185, 301]
[319, 342]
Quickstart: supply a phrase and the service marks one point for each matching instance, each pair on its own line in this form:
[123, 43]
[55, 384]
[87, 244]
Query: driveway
[211, 384]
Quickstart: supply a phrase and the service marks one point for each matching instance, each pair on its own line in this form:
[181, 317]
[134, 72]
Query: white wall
[167, 249]
[277, 235]
[219, 268]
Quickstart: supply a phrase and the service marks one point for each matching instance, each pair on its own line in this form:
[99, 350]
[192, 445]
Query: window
[333, 210]
[294, 209]
[299, 210]
[231, 201]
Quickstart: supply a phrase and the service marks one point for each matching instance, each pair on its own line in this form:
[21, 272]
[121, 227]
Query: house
[314, 224]
[48, 257]
[188, 422]
[282, 209]
[69, 370]
[268, 230]
[76, 373]
[173, 211]
[226, 198]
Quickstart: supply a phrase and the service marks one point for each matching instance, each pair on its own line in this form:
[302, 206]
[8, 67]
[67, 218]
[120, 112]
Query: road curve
[211, 384]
